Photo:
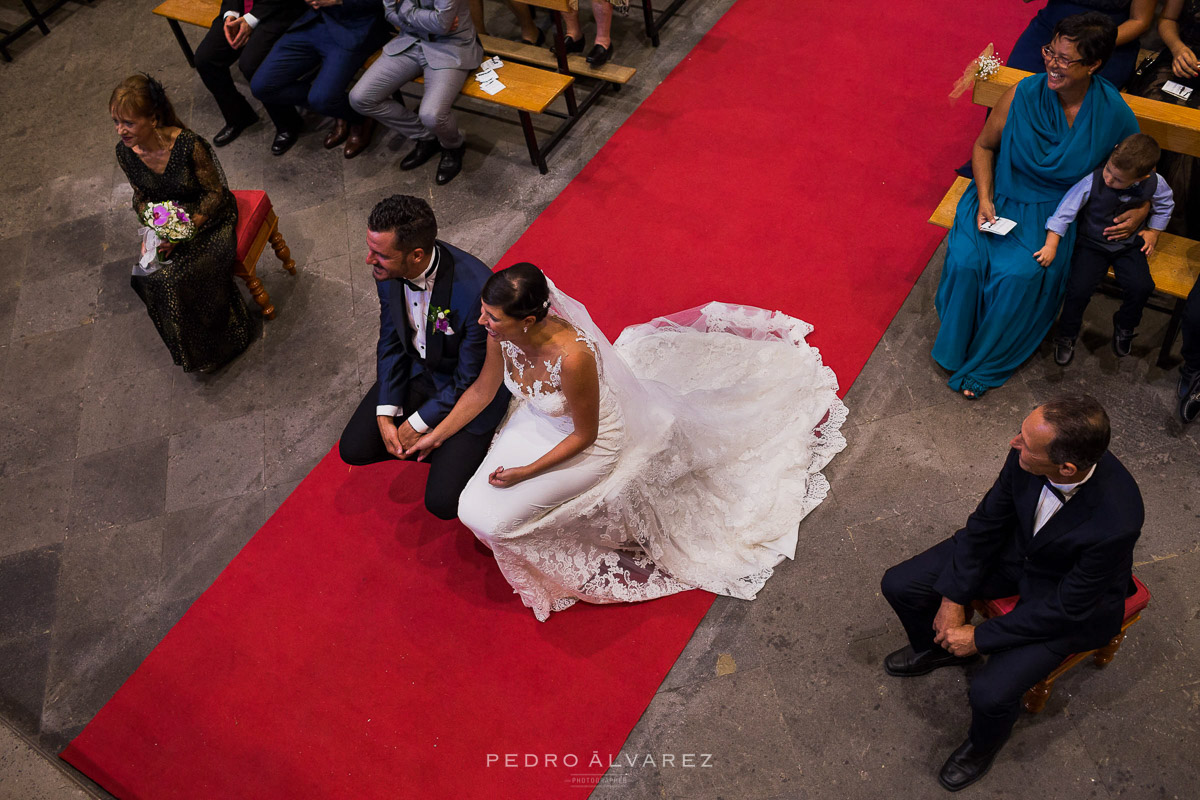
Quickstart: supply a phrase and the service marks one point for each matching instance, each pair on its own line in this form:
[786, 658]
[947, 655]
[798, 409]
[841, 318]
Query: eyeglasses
[1057, 60]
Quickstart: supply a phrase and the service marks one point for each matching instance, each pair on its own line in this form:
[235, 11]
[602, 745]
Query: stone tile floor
[127, 486]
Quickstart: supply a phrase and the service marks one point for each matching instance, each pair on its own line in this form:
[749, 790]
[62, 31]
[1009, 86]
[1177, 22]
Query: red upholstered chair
[1035, 698]
[257, 225]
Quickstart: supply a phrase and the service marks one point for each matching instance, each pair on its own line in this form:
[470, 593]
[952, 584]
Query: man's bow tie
[423, 286]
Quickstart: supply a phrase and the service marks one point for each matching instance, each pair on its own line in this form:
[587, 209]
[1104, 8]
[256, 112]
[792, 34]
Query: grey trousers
[372, 96]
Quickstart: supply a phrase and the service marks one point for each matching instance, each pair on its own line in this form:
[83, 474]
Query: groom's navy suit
[430, 386]
[1072, 575]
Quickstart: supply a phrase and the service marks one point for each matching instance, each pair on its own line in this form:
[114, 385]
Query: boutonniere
[439, 319]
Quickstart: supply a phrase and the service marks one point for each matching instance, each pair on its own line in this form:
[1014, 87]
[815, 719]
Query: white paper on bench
[492, 87]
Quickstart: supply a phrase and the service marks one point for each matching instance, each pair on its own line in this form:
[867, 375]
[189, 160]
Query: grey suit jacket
[420, 20]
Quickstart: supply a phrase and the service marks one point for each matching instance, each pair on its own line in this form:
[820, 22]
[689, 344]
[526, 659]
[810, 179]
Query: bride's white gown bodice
[540, 386]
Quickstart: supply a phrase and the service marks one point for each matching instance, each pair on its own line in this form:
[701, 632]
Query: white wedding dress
[714, 426]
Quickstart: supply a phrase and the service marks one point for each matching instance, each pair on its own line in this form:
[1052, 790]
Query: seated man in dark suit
[431, 348]
[242, 33]
[1058, 528]
[312, 64]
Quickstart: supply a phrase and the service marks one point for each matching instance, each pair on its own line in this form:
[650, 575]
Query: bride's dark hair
[519, 291]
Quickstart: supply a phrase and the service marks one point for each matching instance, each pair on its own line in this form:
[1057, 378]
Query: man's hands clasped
[951, 630]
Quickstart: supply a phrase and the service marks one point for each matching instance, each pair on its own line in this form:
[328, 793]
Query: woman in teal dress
[996, 303]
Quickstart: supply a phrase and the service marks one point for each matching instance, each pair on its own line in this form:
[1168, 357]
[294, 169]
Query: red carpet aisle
[359, 649]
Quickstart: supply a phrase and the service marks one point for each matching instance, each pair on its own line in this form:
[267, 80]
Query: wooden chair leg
[282, 252]
[1105, 654]
[1035, 698]
[257, 290]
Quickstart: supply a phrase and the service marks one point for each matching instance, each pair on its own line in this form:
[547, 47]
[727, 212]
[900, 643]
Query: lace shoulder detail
[531, 380]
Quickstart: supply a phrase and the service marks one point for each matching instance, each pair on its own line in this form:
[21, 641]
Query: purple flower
[443, 325]
[181, 216]
[160, 215]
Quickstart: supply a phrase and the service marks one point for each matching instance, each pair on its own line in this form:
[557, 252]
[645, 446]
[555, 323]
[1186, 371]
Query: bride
[683, 457]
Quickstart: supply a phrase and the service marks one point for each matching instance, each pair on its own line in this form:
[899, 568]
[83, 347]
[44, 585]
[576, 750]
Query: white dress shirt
[416, 307]
[1049, 505]
[251, 20]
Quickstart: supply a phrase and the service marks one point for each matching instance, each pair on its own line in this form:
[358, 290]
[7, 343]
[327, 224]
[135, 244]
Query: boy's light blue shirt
[1162, 205]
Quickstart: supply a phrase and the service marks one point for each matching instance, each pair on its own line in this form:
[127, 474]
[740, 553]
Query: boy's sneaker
[1122, 341]
[1064, 351]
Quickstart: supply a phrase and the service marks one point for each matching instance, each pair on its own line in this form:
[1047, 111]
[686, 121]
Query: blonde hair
[142, 96]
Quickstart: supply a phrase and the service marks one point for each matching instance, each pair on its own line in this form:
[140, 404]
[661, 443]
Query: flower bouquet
[165, 222]
[980, 69]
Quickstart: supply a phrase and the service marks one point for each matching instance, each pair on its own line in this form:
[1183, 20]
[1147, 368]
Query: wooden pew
[528, 90]
[1175, 265]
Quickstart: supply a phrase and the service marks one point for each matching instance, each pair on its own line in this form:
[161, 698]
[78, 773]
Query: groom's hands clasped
[398, 439]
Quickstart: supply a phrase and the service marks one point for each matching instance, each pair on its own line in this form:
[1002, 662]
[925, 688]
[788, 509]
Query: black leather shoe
[908, 663]
[599, 55]
[1122, 341]
[231, 132]
[541, 37]
[1064, 351]
[283, 142]
[571, 45]
[966, 765]
[450, 164]
[1189, 398]
[425, 150]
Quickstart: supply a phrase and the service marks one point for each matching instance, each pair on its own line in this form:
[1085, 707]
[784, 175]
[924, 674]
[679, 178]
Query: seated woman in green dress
[192, 298]
[995, 302]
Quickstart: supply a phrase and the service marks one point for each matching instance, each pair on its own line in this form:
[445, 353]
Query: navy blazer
[452, 361]
[1073, 576]
[354, 24]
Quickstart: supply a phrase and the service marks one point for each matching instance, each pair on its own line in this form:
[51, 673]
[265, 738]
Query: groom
[431, 348]
[1058, 528]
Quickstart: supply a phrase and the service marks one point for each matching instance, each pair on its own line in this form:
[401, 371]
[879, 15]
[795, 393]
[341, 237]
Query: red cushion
[1133, 603]
[253, 208]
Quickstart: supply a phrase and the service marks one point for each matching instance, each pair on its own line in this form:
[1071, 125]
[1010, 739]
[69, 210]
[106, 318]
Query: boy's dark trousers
[1087, 269]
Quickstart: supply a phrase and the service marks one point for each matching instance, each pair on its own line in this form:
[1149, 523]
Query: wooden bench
[528, 90]
[1175, 265]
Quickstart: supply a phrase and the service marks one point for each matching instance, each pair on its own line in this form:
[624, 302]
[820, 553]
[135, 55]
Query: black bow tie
[1062, 498]
[424, 275]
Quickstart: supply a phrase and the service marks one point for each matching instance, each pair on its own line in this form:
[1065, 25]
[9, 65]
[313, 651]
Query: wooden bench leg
[183, 42]
[651, 28]
[1035, 698]
[1164, 354]
[257, 290]
[282, 252]
[1105, 654]
[535, 155]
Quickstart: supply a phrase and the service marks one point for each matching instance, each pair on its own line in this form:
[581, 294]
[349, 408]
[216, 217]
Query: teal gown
[995, 302]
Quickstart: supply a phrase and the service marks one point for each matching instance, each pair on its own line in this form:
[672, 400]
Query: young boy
[1125, 181]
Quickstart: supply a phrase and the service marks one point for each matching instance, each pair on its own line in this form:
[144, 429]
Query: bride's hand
[424, 446]
[511, 476]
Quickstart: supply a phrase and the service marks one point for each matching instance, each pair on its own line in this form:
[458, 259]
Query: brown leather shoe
[360, 137]
[341, 129]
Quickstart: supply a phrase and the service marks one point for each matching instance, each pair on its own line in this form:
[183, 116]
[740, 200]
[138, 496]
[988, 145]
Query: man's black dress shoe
[231, 132]
[599, 55]
[908, 663]
[1064, 351]
[570, 44]
[425, 150]
[283, 142]
[966, 765]
[1122, 341]
[1189, 397]
[450, 164]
